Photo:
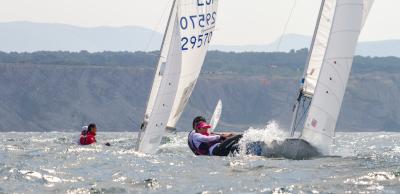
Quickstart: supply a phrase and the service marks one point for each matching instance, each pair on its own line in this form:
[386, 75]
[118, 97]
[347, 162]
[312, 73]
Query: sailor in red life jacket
[203, 143]
[88, 136]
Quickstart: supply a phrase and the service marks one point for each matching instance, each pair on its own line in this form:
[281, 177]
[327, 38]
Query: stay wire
[157, 26]
[304, 113]
[286, 25]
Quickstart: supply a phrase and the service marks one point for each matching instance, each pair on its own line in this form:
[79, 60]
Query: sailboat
[327, 71]
[216, 116]
[186, 39]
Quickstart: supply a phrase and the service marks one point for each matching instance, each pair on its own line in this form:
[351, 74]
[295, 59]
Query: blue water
[55, 163]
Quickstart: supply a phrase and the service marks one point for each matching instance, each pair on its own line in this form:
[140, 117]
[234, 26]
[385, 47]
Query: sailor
[88, 134]
[201, 142]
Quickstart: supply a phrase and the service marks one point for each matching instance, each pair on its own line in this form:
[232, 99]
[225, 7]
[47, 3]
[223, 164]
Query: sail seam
[327, 113]
[345, 30]
[350, 4]
[319, 132]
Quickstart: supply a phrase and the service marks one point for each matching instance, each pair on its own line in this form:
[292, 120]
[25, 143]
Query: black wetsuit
[230, 145]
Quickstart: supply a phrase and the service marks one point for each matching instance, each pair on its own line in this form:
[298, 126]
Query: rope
[286, 25]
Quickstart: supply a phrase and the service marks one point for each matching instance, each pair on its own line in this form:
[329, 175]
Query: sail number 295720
[203, 23]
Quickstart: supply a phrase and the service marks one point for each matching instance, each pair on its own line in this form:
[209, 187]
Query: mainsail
[328, 69]
[186, 40]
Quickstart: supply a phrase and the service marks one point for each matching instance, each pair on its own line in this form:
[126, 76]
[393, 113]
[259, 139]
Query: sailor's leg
[231, 141]
[230, 145]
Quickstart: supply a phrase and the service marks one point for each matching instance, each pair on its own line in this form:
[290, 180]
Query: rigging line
[299, 119]
[302, 117]
[304, 113]
[286, 25]
[158, 25]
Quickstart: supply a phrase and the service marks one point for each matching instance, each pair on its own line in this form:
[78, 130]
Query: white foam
[174, 141]
[267, 134]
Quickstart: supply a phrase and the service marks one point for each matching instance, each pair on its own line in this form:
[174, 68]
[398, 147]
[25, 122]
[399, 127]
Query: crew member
[88, 134]
[201, 142]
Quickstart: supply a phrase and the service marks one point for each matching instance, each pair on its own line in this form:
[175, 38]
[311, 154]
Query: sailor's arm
[225, 135]
[206, 139]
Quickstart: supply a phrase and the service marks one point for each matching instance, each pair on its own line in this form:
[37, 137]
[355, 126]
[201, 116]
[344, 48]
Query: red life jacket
[87, 138]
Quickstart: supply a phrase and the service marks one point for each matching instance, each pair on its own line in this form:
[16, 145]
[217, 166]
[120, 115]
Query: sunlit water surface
[55, 162]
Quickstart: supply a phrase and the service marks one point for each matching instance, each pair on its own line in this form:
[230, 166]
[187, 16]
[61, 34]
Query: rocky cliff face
[371, 102]
[47, 97]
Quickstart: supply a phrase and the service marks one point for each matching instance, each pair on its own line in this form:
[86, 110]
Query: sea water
[54, 162]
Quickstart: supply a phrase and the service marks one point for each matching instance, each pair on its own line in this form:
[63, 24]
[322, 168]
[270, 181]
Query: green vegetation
[247, 63]
[81, 58]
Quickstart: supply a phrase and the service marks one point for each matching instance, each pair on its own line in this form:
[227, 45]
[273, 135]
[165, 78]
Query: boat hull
[291, 148]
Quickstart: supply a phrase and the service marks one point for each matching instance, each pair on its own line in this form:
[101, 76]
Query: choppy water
[54, 162]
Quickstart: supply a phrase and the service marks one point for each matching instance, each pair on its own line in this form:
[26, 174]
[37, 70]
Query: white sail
[156, 123]
[197, 18]
[162, 60]
[347, 21]
[186, 42]
[366, 9]
[216, 115]
[318, 46]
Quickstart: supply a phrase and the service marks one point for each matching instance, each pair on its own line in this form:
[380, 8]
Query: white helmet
[84, 128]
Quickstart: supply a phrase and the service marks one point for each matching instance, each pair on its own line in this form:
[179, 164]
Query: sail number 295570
[199, 27]
[202, 20]
[196, 41]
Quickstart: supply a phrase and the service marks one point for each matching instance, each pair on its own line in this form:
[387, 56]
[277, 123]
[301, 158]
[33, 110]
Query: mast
[301, 91]
[314, 38]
